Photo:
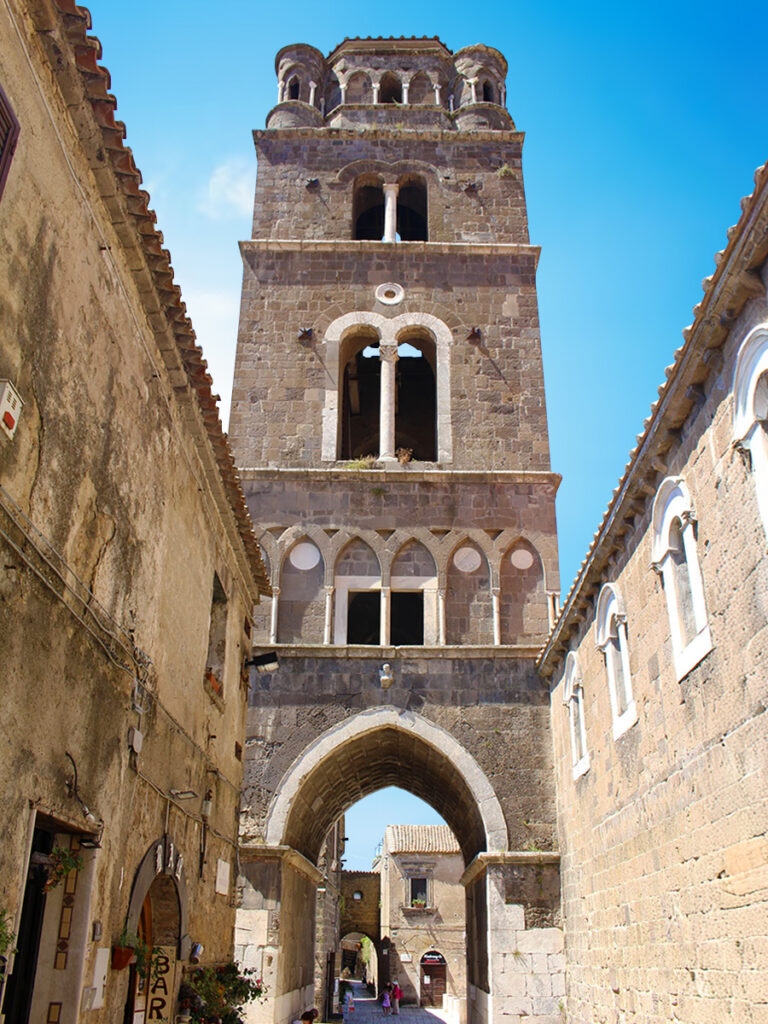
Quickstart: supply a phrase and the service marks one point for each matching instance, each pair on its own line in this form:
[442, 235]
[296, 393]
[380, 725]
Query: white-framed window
[612, 641]
[676, 558]
[750, 410]
[573, 700]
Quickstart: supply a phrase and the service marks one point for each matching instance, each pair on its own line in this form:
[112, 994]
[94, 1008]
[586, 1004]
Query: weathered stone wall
[361, 915]
[111, 497]
[492, 209]
[496, 395]
[663, 840]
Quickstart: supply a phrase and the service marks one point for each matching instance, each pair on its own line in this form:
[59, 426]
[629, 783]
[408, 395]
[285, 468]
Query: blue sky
[644, 124]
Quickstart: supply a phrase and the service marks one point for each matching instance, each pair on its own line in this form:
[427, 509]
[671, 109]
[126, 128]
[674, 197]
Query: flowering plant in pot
[219, 992]
[124, 949]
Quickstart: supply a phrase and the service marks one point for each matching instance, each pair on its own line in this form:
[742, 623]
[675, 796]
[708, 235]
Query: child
[385, 1002]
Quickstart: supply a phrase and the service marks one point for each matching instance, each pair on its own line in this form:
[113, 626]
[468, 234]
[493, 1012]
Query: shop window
[217, 639]
[9, 134]
[612, 641]
[675, 557]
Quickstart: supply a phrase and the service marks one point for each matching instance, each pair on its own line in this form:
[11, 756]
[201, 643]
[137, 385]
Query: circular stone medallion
[390, 293]
[304, 556]
[521, 558]
[467, 559]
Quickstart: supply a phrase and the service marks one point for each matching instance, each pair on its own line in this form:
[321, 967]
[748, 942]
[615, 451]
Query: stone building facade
[129, 567]
[657, 668]
[423, 916]
[389, 423]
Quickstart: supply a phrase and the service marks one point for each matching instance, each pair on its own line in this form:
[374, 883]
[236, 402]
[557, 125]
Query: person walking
[397, 995]
[386, 1004]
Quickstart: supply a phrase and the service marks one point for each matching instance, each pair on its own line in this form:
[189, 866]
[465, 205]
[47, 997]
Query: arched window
[391, 90]
[675, 557]
[368, 210]
[421, 90]
[468, 603]
[612, 641]
[750, 410]
[416, 400]
[357, 585]
[488, 95]
[413, 597]
[294, 88]
[360, 396]
[524, 604]
[573, 699]
[301, 611]
[412, 219]
[359, 88]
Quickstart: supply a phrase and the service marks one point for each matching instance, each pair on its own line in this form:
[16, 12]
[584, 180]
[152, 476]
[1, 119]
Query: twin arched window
[750, 410]
[408, 217]
[675, 557]
[574, 703]
[612, 641]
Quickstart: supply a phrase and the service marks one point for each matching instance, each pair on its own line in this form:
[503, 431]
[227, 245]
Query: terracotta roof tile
[420, 839]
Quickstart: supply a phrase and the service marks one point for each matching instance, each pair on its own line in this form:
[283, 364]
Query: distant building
[423, 914]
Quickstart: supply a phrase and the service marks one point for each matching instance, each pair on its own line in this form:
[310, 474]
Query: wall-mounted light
[183, 794]
[90, 817]
[475, 334]
[266, 662]
[207, 805]
[195, 952]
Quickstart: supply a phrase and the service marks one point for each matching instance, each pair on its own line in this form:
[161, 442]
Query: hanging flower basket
[121, 957]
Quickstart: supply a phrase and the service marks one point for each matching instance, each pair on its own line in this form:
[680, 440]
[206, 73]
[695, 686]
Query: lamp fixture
[207, 805]
[266, 662]
[183, 794]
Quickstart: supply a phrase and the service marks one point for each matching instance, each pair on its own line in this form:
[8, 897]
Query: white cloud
[229, 192]
[214, 315]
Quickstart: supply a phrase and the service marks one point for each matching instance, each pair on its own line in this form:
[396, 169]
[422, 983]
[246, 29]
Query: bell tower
[389, 424]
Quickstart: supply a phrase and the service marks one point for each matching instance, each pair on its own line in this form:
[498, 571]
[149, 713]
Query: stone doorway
[433, 979]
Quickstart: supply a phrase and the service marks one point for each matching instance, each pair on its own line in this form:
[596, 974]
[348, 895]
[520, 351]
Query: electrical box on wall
[10, 408]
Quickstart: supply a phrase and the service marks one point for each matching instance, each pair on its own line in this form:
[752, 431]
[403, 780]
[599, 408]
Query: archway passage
[382, 757]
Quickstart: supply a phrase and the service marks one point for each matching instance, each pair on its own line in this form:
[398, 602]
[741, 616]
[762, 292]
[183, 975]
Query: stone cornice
[348, 652]
[404, 474]
[377, 132]
[516, 857]
[345, 245]
[734, 282]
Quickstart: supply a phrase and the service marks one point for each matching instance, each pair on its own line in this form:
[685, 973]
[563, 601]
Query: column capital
[388, 353]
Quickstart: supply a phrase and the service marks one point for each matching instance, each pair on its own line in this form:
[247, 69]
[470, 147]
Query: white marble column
[376, 86]
[406, 87]
[472, 82]
[496, 603]
[503, 90]
[388, 360]
[390, 211]
[385, 616]
[343, 93]
[280, 89]
[312, 91]
[437, 94]
[273, 623]
[441, 616]
[328, 627]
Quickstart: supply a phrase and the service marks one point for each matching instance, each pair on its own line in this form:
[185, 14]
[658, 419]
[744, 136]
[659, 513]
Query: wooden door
[433, 979]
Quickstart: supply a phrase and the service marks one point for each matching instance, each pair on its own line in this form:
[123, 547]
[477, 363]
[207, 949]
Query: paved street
[367, 1010]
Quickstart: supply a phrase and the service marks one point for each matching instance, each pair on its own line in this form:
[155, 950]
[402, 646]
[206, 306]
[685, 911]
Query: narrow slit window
[217, 639]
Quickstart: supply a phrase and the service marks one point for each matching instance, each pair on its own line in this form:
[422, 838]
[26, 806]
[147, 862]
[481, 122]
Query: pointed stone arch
[523, 598]
[305, 806]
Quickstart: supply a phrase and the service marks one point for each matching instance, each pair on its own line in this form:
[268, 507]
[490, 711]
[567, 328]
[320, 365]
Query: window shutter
[9, 133]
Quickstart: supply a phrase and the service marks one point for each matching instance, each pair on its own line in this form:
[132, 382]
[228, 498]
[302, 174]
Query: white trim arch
[675, 557]
[387, 330]
[369, 721]
[612, 642]
[573, 701]
[750, 410]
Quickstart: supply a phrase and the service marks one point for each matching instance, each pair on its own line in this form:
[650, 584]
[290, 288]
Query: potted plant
[418, 901]
[123, 950]
[219, 993]
[60, 862]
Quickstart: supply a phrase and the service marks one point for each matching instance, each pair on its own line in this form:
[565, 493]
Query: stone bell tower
[389, 423]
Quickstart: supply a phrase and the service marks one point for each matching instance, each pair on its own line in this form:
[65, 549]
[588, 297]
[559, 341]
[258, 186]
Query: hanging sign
[161, 987]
